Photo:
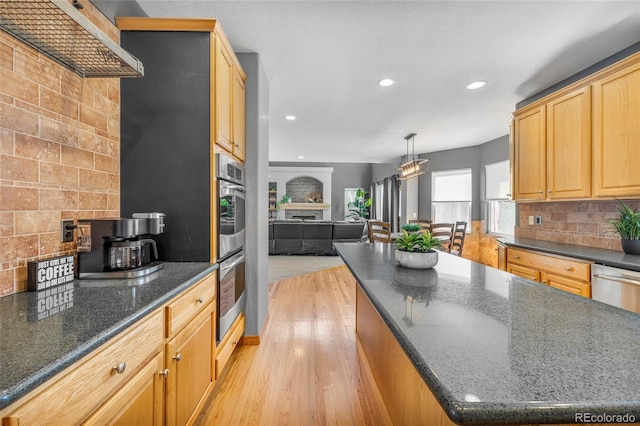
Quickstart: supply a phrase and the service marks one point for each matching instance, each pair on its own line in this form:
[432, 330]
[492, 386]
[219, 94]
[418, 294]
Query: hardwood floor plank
[306, 370]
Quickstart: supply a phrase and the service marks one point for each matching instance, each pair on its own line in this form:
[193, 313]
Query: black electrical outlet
[66, 231]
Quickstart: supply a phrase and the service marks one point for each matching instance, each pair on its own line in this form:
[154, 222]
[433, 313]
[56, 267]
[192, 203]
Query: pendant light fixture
[412, 168]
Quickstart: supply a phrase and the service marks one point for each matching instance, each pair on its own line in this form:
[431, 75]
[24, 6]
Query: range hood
[57, 29]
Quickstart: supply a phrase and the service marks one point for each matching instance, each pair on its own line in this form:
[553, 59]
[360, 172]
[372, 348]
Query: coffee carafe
[119, 247]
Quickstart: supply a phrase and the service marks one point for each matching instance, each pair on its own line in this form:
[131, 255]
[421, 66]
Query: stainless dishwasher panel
[617, 287]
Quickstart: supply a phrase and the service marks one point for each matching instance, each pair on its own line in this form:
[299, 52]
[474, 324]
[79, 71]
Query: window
[501, 212]
[451, 196]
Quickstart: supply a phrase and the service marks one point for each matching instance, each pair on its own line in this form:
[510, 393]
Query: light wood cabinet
[569, 145]
[84, 387]
[529, 155]
[239, 106]
[226, 347]
[552, 144]
[407, 397]
[617, 133]
[189, 358]
[229, 100]
[565, 273]
[140, 402]
[159, 371]
[223, 97]
[581, 141]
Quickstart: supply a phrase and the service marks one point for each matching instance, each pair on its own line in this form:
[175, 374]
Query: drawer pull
[164, 373]
[200, 299]
[544, 281]
[119, 368]
[177, 357]
[516, 256]
[568, 268]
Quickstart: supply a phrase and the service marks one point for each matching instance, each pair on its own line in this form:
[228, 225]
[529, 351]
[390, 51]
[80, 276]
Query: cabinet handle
[549, 191]
[200, 299]
[544, 281]
[515, 256]
[164, 373]
[177, 357]
[119, 368]
[540, 192]
[568, 268]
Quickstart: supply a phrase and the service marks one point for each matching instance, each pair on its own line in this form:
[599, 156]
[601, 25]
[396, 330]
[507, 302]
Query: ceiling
[323, 60]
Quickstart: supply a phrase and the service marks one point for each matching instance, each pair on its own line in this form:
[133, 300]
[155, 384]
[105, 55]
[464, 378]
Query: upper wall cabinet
[230, 102]
[581, 142]
[553, 149]
[616, 135]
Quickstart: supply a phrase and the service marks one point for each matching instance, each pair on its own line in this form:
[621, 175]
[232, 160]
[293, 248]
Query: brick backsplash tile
[18, 87]
[18, 169]
[107, 164]
[6, 282]
[6, 56]
[93, 179]
[77, 157]
[56, 102]
[93, 118]
[17, 198]
[58, 174]
[7, 224]
[58, 131]
[18, 120]
[55, 199]
[36, 148]
[92, 201]
[41, 124]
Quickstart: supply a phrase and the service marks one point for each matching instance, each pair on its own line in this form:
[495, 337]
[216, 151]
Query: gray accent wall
[345, 175]
[474, 158]
[257, 172]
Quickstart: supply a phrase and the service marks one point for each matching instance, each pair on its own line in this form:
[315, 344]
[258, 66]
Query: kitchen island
[42, 333]
[492, 348]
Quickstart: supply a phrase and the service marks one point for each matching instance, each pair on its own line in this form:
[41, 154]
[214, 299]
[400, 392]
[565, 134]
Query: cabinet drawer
[226, 347]
[566, 284]
[192, 301]
[72, 396]
[558, 265]
[524, 272]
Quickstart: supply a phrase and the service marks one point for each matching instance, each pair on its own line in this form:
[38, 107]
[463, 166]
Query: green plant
[359, 207]
[285, 199]
[417, 242]
[628, 224]
[411, 227]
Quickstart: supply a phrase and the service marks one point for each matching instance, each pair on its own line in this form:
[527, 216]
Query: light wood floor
[307, 369]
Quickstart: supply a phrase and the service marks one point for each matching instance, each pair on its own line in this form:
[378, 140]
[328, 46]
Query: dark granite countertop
[603, 256]
[495, 348]
[36, 343]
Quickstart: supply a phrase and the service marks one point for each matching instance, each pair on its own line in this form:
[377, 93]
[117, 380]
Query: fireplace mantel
[305, 206]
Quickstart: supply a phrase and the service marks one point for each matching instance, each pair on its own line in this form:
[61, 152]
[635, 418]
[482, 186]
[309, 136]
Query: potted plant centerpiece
[628, 226]
[411, 228]
[416, 250]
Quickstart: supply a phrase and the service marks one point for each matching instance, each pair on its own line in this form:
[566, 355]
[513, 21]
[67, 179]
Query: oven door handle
[233, 264]
[618, 279]
[234, 188]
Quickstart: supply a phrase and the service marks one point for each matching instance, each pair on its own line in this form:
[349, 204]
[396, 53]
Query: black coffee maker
[112, 248]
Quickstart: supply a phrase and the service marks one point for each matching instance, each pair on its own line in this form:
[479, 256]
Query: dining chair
[379, 231]
[457, 240]
[443, 232]
[425, 223]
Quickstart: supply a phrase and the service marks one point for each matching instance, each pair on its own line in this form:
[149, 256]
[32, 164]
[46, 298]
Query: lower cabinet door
[566, 284]
[523, 271]
[189, 357]
[139, 402]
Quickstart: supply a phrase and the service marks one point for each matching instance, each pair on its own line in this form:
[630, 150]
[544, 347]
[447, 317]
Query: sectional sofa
[297, 236]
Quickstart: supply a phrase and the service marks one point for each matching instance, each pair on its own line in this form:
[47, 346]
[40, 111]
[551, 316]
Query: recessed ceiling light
[385, 82]
[476, 85]
[300, 157]
[290, 117]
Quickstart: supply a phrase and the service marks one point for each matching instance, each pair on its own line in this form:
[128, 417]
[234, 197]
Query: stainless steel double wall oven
[231, 241]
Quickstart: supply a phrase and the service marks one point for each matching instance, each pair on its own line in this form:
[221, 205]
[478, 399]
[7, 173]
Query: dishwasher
[617, 287]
